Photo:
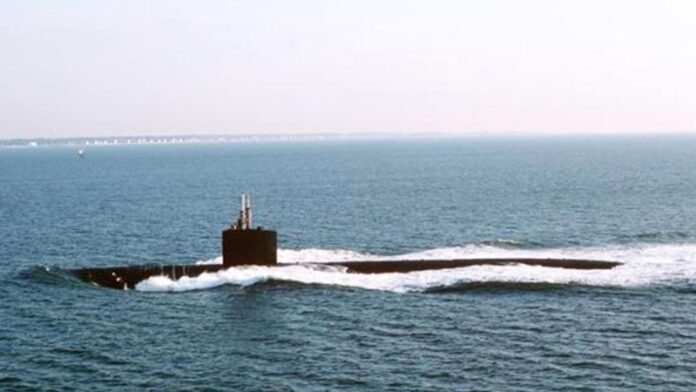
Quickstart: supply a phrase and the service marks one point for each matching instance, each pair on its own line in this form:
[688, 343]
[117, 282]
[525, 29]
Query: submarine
[243, 245]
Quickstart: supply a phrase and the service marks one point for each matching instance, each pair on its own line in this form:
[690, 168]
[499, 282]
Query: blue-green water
[480, 328]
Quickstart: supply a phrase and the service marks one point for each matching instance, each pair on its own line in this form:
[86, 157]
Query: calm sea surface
[482, 328]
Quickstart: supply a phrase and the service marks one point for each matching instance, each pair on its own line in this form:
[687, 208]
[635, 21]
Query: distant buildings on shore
[157, 140]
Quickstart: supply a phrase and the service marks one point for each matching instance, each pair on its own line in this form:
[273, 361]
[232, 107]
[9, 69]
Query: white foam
[292, 256]
[216, 260]
[643, 265]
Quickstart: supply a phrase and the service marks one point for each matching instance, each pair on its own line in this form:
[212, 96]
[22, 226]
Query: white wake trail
[647, 264]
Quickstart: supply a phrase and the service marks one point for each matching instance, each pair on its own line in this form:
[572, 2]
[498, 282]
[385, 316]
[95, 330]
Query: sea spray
[644, 264]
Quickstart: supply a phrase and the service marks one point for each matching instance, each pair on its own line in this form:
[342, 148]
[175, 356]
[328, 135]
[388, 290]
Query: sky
[114, 68]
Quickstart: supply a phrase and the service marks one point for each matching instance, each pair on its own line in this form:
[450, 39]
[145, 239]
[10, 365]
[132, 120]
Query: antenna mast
[244, 220]
[247, 212]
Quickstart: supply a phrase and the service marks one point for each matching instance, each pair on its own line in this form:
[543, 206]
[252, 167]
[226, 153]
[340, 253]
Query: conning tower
[244, 245]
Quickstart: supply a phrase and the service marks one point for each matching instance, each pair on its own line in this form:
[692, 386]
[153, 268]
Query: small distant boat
[81, 153]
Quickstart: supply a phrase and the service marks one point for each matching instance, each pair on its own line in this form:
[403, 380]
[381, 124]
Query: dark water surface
[488, 328]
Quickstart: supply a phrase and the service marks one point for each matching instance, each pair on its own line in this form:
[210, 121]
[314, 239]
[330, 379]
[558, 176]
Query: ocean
[485, 328]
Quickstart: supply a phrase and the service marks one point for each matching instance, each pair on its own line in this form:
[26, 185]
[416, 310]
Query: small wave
[513, 244]
[654, 236]
[50, 275]
[645, 264]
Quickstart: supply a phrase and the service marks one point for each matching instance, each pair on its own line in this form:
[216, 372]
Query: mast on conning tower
[247, 212]
[244, 219]
[242, 245]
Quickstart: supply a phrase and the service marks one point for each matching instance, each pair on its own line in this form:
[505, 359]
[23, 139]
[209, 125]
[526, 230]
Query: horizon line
[170, 139]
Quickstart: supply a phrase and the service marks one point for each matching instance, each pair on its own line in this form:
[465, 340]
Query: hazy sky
[73, 68]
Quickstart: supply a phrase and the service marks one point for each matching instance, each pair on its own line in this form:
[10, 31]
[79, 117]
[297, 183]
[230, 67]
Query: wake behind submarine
[243, 245]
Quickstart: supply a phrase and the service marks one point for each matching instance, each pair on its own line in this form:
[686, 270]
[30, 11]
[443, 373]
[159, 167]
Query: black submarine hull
[244, 246]
[128, 277]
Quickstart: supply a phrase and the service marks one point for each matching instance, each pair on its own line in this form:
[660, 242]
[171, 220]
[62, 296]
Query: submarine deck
[128, 277]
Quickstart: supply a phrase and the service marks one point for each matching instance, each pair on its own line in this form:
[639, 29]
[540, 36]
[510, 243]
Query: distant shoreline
[98, 141]
[181, 139]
